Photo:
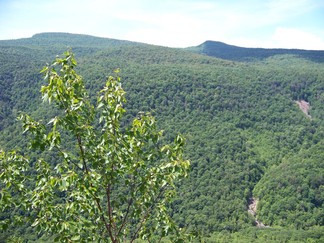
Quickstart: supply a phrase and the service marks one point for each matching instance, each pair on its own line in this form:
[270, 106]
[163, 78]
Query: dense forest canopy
[246, 136]
[236, 53]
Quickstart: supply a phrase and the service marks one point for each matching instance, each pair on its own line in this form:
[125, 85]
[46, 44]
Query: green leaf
[76, 238]
[36, 222]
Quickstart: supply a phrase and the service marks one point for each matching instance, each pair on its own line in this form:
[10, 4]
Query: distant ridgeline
[238, 109]
[66, 39]
[235, 53]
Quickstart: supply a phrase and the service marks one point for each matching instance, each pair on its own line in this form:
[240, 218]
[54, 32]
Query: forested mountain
[236, 53]
[65, 39]
[247, 137]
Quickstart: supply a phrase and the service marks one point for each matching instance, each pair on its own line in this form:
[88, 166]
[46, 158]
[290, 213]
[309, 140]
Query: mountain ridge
[221, 45]
[62, 38]
[237, 53]
[210, 48]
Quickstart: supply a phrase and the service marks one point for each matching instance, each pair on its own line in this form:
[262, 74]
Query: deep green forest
[247, 138]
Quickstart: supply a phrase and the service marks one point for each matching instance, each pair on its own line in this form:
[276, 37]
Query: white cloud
[176, 23]
[169, 30]
[295, 38]
[288, 38]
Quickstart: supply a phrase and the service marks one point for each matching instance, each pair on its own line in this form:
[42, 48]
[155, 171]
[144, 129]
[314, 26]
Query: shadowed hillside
[235, 53]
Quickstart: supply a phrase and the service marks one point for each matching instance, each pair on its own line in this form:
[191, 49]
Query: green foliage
[13, 169]
[236, 53]
[292, 193]
[268, 235]
[244, 131]
[115, 183]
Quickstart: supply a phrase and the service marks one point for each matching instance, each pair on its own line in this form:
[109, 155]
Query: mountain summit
[236, 53]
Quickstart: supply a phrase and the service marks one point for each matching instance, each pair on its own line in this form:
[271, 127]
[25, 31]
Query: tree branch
[82, 153]
[102, 216]
[129, 204]
[148, 211]
[110, 216]
[61, 151]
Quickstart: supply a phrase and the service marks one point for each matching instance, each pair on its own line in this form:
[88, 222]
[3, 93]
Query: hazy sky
[174, 23]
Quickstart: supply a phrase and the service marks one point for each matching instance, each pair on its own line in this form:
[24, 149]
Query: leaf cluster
[115, 183]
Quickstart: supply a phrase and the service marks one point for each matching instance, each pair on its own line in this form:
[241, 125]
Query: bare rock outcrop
[253, 203]
[304, 106]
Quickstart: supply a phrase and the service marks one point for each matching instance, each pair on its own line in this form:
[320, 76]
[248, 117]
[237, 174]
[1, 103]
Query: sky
[174, 23]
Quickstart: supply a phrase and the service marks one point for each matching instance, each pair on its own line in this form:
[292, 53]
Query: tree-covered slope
[246, 136]
[236, 53]
[66, 39]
